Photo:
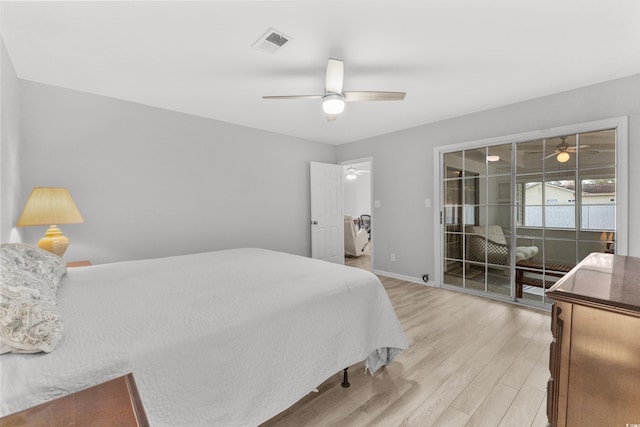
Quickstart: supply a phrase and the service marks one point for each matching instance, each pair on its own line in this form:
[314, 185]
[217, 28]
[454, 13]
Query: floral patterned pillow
[29, 322]
[21, 256]
[13, 276]
[29, 281]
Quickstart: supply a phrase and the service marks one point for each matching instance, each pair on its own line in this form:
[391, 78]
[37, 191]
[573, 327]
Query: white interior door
[327, 227]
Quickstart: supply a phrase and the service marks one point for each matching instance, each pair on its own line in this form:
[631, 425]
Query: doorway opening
[357, 210]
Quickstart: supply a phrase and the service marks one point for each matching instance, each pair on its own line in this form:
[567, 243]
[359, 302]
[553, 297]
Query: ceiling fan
[353, 173]
[334, 97]
[563, 151]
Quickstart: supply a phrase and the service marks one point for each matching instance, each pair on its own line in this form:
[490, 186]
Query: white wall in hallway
[357, 192]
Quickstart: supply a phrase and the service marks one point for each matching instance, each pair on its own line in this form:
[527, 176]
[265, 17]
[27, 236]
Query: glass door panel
[474, 277]
[453, 164]
[597, 149]
[560, 153]
[530, 156]
[500, 190]
[499, 280]
[486, 214]
[499, 159]
[453, 190]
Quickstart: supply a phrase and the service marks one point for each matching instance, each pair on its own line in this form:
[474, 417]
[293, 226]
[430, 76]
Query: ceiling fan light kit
[352, 173]
[334, 97]
[333, 103]
[563, 151]
[563, 157]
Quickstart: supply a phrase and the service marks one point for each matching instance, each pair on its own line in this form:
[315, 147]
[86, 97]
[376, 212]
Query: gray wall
[151, 182]
[403, 165]
[11, 202]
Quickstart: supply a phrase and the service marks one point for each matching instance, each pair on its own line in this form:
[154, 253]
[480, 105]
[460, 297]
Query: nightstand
[113, 403]
[84, 263]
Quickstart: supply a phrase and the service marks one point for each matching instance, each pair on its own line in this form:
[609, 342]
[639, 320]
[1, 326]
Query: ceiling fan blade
[331, 117]
[555, 153]
[354, 96]
[355, 171]
[335, 76]
[293, 97]
[580, 147]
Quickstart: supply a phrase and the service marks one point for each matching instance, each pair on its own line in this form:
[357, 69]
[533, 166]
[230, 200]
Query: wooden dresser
[113, 403]
[595, 354]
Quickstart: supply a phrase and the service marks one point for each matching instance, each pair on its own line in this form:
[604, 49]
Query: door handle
[314, 222]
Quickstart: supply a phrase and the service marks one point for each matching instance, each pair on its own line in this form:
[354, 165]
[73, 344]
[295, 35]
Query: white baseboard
[405, 278]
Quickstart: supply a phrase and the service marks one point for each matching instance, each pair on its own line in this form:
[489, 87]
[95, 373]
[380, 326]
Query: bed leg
[345, 378]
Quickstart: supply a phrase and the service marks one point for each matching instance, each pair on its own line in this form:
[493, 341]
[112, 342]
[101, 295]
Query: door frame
[370, 161]
[622, 178]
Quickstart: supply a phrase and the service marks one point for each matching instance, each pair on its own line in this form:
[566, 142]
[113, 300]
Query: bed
[220, 338]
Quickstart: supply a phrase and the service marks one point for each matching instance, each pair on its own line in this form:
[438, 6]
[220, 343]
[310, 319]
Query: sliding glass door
[477, 219]
[566, 205]
[517, 216]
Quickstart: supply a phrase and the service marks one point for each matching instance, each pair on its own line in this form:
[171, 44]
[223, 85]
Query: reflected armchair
[493, 248]
[355, 240]
[365, 220]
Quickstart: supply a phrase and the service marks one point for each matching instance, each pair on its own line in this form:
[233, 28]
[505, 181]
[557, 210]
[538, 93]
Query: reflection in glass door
[477, 220]
[566, 206]
[518, 216]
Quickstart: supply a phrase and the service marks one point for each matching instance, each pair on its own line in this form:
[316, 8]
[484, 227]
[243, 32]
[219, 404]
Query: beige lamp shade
[50, 206]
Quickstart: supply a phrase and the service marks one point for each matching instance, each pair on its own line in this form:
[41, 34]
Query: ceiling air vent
[272, 41]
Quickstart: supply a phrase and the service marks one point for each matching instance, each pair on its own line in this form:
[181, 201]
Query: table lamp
[50, 206]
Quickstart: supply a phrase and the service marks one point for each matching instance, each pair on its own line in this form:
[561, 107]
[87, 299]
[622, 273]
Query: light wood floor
[363, 261]
[471, 362]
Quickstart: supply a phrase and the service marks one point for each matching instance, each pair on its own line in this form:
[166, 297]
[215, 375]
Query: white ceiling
[451, 57]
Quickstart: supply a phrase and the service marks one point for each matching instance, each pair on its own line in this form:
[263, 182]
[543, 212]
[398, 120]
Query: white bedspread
[214, 339]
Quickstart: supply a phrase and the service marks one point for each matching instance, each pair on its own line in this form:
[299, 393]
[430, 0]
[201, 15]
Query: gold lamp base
[54, 241]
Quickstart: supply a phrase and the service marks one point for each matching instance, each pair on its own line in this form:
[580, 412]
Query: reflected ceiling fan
[353, 173]
[334, 97]
[563, 151]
